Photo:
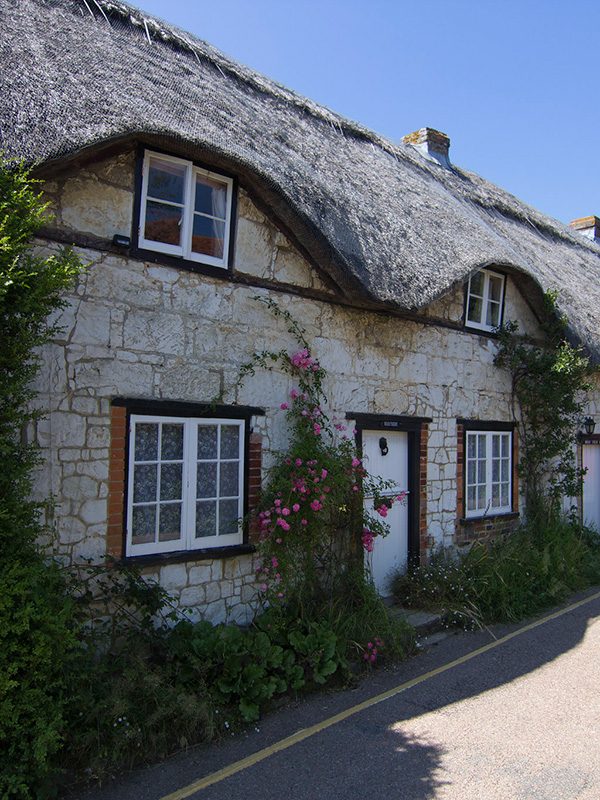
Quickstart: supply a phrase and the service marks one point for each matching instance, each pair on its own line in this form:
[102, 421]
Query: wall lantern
[383, 446]
[589, 423]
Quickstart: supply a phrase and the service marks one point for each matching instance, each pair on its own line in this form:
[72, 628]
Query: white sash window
[488, 473]
[485, 298]
[185, 210]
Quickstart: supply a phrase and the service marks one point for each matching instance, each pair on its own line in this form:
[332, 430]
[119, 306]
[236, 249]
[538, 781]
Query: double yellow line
[305, 733]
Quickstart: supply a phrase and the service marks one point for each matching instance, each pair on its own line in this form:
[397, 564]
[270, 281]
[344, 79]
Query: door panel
[390, 554]
[591, 485]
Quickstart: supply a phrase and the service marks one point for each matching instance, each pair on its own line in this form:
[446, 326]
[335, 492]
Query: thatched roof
[388, 225]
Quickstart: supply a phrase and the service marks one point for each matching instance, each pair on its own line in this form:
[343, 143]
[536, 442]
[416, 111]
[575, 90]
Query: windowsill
[507, 515]
[490, 332]
[179, 262]
[190, 555]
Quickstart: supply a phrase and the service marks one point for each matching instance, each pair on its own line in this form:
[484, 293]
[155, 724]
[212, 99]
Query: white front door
[591, 485]
[390, 554]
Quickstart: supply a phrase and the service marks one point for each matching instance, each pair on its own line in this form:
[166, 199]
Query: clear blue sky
[514, 83]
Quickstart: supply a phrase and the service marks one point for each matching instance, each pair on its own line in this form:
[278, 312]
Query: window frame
[488, 431]
[482, 326]
[187, 542]
[183, 253]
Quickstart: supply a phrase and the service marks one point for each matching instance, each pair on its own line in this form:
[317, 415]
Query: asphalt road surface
[507, 714]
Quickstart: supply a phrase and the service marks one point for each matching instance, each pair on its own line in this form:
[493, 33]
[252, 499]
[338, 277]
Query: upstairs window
[485, 298]
[488, 473]
[185, 210]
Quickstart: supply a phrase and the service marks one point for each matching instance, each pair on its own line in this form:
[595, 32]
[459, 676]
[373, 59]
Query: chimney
[432, 144]
[587, 226]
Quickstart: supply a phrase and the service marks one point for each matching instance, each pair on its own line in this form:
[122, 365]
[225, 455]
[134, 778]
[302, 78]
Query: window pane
[471, 446]
[208, 236]
[504, 472]
[482, 445]
[171, 446]
[495, 288]
[505, 446]
[495, 446]
[476, 284]
[206, 485]
[481, 472]
[169, 526]
[206, 519]
[493, 315]
[207, 441]
[144, 483]
[471, 498]
[230, 441]
[229, 486]
[163, 223]
[144, 522]
[475, 309]
[166, 180]
[146, 441]
[495, 495]
[211, 197]
[170, 481]
[495, 470]
[504, 495]
[471, 466]
[481, 497]
[228, 517]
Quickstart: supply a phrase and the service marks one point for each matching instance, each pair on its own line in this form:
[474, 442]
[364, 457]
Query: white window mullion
[158, 468]
[188, 213]
[218, 503]
[488, 470]
[190, 470]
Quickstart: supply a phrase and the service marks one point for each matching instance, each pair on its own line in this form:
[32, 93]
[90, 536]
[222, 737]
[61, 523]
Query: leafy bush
[36, 616]
[37, 640]
[507, 579]
[244, 669]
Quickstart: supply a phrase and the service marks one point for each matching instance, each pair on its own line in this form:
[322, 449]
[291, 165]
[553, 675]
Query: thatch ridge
[390, 226]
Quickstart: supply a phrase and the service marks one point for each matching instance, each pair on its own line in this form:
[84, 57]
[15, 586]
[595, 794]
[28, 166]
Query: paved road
[519, 720]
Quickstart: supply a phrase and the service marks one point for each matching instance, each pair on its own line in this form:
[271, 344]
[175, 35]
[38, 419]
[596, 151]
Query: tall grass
[508, 578]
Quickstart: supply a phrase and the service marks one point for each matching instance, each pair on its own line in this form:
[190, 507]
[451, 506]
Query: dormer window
[485, 298]
[185, 210]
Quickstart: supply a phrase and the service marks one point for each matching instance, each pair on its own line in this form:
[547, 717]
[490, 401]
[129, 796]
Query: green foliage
[508, 579]
[36, 641]
[549, 385]
[127, 704]
[244, 669]
[31, 287]
[36, 615]
[312, 516]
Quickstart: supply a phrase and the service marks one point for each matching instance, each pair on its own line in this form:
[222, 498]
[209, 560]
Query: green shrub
[507, 579]
[126, 703]
[125, 709]
[36, 616]
[37, 641]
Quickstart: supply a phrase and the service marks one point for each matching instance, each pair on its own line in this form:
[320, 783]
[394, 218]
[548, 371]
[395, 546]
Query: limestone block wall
[146, 331]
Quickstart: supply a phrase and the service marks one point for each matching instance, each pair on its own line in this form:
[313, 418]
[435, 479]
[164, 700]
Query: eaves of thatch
[390, 227]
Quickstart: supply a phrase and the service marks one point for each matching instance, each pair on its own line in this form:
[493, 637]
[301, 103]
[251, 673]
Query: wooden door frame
[585, 440]
[411, 426]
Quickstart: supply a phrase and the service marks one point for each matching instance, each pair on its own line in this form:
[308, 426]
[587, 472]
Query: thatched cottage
[191, 184]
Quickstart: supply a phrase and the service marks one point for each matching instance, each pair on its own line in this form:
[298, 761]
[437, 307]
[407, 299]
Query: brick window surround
[473, 529]
[117, 485]
[425, 540]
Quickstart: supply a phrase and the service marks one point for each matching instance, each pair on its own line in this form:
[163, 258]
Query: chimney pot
[432, 144]
[588, 227]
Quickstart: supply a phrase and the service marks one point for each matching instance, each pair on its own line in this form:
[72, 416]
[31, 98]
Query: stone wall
[142, 330]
